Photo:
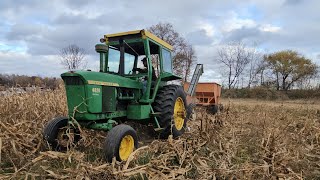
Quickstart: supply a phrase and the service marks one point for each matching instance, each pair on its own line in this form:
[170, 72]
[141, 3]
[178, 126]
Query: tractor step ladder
[195, 79]
[154, 115]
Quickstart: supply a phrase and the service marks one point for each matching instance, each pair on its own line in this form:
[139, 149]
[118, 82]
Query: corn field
[249, 140]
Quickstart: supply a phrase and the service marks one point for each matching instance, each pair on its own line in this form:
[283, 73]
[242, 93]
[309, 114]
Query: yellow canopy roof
[144, 33]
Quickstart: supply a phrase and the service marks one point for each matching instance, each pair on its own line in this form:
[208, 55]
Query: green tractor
[105, 100]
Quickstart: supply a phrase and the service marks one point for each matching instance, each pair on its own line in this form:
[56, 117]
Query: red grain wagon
[206, 94]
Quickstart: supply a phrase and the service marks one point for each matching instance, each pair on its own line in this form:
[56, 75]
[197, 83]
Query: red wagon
[206, 94]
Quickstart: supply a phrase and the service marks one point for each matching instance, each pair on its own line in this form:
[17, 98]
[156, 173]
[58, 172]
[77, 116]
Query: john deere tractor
[118, 93]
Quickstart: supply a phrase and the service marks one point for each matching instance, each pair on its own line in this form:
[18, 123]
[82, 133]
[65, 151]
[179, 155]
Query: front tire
[59, 135]
[171, 103]
[120, 143]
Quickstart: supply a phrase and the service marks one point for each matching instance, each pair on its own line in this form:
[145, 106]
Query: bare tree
[190, 60]
[183, 53]
[235, 56]
[72, 57]
[260, 69]
[184, 61]
[256, 67]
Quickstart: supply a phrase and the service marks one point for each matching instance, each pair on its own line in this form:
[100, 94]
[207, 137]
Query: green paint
[101, 116]
[94, 93]
[145, 97]
[101, 61]
[76, 99]
[155, 118]
[106, 77]
[138, 112]
[103, 126]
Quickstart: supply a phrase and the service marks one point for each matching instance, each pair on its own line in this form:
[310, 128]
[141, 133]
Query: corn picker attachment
[122, 92]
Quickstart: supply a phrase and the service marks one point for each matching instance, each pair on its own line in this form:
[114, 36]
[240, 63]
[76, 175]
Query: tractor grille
[109, 99]
[72, 80]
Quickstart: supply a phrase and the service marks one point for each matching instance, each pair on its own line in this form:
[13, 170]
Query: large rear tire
[120, 143]
[171, 103]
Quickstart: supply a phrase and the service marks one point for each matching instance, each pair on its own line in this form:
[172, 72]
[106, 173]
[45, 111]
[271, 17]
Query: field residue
[249, 140]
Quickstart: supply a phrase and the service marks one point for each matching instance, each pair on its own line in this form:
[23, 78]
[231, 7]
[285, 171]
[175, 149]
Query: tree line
[14, 80]
[246, 67]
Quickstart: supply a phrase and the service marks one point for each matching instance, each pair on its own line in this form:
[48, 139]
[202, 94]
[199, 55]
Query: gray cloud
[41, 40]
[78, 3]
[42, 28]
[70, 19]
[19, 5]
[83, 24]
[199, 37]
[244, 34]
[24, 32]
[292, 2]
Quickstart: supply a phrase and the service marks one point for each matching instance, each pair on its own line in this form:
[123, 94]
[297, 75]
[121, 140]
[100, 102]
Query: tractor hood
[169, 76]
[104, 79]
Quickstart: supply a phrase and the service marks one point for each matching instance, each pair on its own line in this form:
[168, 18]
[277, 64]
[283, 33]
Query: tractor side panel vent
[72, 80]
[109, 99]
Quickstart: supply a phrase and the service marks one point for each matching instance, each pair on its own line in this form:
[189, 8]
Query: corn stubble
[249, 140]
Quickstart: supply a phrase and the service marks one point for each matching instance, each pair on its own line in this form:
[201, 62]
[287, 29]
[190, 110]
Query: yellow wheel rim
[179, 113]
[126, 147]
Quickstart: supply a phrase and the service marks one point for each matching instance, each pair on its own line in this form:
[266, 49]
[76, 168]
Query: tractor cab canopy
[139, 34]
[125, 50]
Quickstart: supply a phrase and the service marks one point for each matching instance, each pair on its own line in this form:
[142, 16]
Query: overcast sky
[33, 31]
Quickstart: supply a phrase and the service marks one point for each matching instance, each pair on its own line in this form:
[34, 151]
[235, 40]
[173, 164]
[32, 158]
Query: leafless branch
[72, 57]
